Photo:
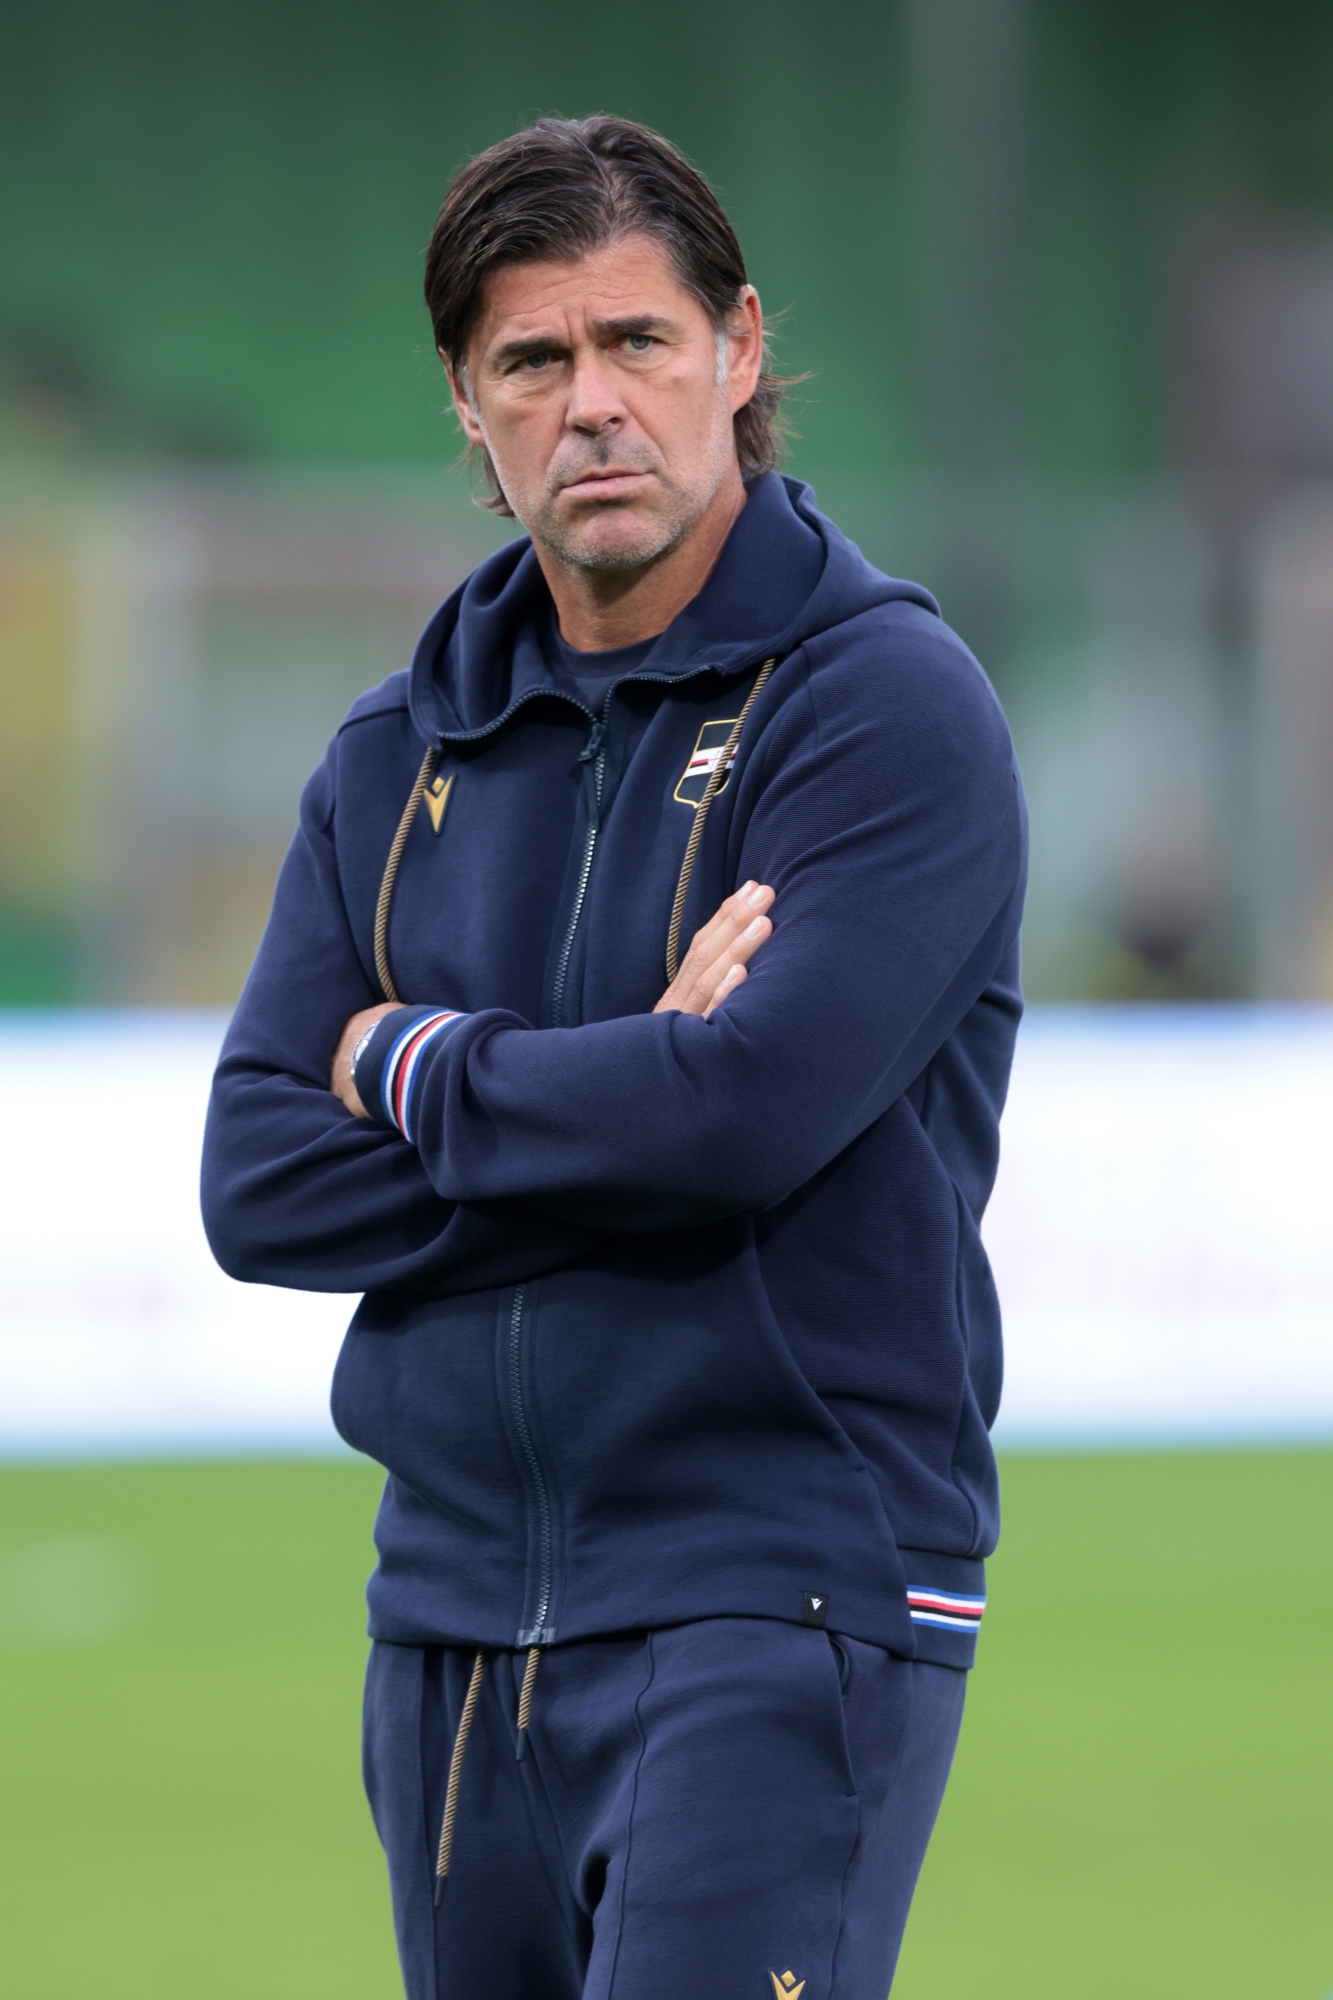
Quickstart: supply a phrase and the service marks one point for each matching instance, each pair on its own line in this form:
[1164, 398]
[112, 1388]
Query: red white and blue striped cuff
[388, 1064]
[399, 1076]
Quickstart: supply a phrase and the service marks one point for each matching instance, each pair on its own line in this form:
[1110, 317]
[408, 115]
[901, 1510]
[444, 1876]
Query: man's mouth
[603, 482]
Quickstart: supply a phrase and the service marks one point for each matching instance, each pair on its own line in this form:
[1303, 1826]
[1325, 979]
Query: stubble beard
[572, 545]
[672, 522]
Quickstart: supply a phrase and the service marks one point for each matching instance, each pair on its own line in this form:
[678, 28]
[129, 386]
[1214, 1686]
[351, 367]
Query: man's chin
[613, 542]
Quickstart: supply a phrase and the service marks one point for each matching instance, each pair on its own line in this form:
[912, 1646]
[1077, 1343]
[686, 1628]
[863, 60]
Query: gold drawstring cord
[716, 779]
[456, 1773]
[387, 986]
[525, 1700]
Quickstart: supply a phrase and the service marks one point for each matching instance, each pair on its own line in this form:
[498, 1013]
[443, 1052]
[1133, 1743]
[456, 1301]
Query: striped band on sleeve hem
[402, 1066]
[948, 1609]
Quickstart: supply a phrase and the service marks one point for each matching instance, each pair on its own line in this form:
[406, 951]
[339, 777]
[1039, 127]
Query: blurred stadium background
[1062, 274]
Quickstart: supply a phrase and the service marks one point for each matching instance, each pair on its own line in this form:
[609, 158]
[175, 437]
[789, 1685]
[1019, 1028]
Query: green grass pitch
[1142, 1807]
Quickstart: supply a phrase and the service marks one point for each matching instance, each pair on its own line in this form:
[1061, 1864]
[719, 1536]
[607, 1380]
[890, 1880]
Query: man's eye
[640, 342]
[535, 360]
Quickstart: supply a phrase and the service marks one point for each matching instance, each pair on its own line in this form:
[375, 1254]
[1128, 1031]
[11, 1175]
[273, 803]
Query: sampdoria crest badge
[693, 781]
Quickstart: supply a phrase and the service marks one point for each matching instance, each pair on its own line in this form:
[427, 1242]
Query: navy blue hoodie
[664, 1318]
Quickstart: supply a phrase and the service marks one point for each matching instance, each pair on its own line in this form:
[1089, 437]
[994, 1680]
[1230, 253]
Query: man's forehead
[631, 276]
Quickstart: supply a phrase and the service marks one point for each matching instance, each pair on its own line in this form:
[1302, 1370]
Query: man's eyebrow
[517, 350]
[617, 329]
[632, 323]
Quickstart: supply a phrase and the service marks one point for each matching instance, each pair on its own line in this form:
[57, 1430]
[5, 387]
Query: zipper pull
[591, 758]
[593, 747]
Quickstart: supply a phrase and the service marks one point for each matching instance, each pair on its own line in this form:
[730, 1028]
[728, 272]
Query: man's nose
[594, 400]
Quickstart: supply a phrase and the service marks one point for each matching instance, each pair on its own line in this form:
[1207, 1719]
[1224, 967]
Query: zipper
[596, 755]
[535, 1632]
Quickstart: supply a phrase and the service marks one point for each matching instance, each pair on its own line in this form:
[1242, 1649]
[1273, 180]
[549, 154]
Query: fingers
[726, 986]
[748, 902]
[705, 989]
[729, 939]
[722, 932]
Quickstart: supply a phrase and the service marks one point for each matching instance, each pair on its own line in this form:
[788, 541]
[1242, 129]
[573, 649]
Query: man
[678, 1339]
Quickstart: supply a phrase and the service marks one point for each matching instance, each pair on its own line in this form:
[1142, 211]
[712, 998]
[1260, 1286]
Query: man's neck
[600, 609]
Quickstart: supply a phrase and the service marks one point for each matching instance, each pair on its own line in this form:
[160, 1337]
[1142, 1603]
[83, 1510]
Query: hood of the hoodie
[785, 573]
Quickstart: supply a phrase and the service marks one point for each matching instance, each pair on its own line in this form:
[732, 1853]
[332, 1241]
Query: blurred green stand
[1142, 1808]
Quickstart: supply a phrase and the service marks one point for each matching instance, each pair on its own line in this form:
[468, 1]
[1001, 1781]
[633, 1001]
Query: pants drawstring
[525, 1700]
[456, 1773]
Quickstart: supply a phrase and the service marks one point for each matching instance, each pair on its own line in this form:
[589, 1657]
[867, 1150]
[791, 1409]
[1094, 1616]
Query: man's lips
[603, 483]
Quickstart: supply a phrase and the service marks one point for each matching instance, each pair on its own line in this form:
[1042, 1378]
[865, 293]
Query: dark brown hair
[565, 187]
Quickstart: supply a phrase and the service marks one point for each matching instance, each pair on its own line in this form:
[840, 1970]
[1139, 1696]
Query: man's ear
[463, 409]
[745, 346]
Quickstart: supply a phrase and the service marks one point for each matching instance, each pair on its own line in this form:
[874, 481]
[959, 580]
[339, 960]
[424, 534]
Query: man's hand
[340, 1076]
[714, 965]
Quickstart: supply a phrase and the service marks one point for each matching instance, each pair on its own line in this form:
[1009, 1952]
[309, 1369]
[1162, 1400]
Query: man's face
[605, 398]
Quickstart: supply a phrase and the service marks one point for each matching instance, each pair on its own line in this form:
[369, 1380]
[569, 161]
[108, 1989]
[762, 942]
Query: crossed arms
[713, 967]
[886, 829]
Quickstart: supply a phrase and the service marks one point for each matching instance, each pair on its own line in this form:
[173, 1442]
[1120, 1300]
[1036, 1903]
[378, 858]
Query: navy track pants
[735, 1809]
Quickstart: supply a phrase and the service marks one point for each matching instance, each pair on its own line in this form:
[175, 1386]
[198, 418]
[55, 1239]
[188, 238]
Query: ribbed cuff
[387, 1064]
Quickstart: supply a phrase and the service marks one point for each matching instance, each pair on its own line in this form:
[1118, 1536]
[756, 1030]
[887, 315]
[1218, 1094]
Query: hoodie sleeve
[884, 808]
[295, 1191]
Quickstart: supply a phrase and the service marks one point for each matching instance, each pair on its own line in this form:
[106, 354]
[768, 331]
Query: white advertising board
[1160, 1234]
[1160, 1229]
